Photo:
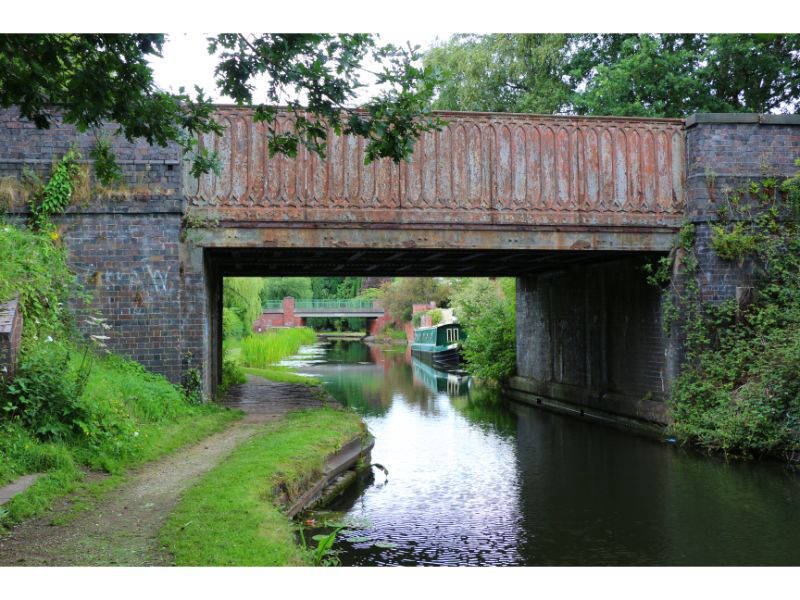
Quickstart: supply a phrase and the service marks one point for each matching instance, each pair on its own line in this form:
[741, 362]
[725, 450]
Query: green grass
[233, 352]
[282, 374]
[229, 518]
[57, 417]
[134, 416]
[63, 473]
[264, 349]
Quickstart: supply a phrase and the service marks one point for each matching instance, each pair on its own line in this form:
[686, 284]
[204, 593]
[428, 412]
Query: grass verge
[228, 518]
[63, 474]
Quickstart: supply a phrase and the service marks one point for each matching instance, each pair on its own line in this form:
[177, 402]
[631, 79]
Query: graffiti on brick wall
[141, 278]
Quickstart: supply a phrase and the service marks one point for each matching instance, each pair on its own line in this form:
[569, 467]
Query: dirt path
[123, 529]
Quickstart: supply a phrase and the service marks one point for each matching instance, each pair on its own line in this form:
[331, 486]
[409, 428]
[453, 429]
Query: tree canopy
[656, 75]
[675, 75]
[400, 294]
[500, 73]
[96, 78]
[278, 288]
[241, 296]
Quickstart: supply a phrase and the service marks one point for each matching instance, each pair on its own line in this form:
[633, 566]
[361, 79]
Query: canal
[474, 480]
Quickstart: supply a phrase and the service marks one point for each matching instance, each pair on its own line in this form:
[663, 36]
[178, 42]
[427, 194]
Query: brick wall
[374, 326]
[267, 320]
[725, 152]
[125, 250]
[592, 335]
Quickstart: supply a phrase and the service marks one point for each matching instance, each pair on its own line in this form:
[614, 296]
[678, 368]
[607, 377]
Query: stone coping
[741, 118]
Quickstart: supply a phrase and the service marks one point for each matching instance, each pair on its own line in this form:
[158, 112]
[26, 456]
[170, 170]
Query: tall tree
[655, 75]
[500, 73]
[675, 75]
[241, 295]
[278, 288]
[404, 291]
[96, 78]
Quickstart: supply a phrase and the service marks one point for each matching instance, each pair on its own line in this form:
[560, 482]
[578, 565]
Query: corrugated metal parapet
[482, 168]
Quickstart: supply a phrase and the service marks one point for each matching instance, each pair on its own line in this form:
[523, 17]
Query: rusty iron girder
[480, 169]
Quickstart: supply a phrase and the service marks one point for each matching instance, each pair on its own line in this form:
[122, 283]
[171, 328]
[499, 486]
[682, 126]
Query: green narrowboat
[439, 346]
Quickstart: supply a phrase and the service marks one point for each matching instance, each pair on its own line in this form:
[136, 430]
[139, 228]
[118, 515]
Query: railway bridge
[570, 206]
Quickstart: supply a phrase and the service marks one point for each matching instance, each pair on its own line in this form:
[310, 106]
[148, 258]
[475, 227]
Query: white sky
[186, 62]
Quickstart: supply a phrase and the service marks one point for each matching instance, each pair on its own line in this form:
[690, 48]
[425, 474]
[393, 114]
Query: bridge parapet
[480, 169]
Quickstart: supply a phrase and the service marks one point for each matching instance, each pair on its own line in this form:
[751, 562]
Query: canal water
[474, 480]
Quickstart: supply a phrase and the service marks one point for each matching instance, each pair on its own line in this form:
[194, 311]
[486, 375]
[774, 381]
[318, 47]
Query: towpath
[123, 528]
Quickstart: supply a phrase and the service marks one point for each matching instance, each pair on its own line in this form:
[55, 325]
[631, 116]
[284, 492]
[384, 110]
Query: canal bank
[216, 502]
[473, 482]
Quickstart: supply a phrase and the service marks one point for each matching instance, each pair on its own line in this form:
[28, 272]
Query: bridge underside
[588, 323]
[412, 262]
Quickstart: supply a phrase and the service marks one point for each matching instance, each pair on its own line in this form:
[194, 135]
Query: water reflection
[472, 482]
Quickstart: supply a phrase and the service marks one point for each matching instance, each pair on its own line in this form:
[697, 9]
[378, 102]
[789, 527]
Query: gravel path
[123, 529]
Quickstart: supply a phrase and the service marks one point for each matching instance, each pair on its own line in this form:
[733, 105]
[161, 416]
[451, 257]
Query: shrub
[43, 394]
[734, 244]
[436, 316]
[232, 374]
[487, 310]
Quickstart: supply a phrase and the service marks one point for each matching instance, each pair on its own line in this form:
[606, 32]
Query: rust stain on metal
[480, 169]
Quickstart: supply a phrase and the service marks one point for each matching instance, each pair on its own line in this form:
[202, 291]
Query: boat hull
[443, 360]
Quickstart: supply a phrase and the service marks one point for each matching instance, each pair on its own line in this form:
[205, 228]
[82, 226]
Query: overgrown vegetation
[71, 405]
[231, 518]
[34, 268]
[739, 390]
[487, 310]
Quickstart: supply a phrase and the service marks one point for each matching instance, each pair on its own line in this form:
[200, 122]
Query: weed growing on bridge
[739, 389]
[53, 197]
[106, 168]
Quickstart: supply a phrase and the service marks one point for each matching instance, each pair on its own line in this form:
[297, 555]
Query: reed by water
[264, 349]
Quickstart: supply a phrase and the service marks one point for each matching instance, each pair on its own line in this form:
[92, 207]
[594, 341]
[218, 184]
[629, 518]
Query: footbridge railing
[333, 307]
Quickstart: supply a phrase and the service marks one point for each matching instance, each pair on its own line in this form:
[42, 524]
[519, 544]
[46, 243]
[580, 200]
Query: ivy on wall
[739, 389]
